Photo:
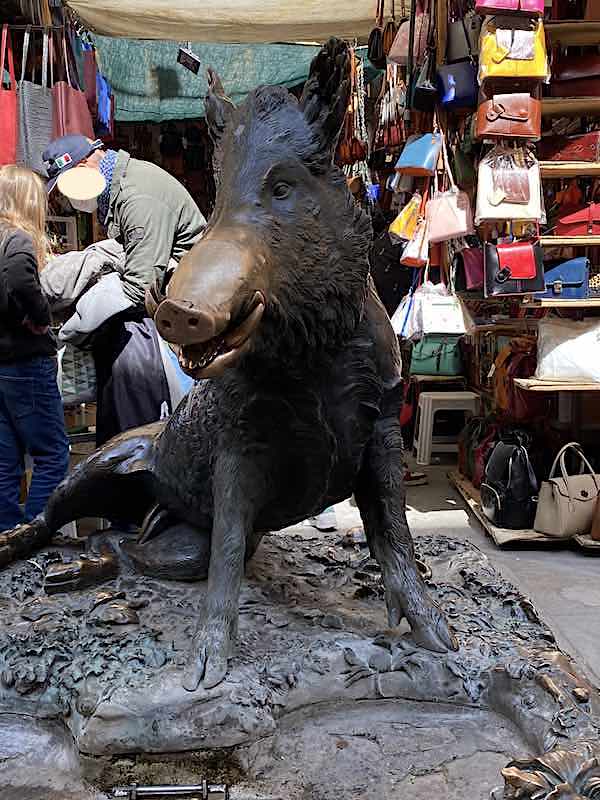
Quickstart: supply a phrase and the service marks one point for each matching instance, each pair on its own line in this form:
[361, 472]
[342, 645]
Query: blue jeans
[31, 421]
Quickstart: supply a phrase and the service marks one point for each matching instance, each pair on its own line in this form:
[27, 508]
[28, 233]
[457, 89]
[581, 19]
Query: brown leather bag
[583, 147]
[517, 114]
[595, 532]
[592, 11]
[576, 76]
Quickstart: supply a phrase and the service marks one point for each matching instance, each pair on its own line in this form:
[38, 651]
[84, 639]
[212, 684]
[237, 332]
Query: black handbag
[375, 48]
[509, 488]
[424, 93]
[457, 85]
[515, 268]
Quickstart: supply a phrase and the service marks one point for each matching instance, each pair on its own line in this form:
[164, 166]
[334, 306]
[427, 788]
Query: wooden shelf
[570, 106]
[569, 169]
[577, 32]
[550, 302]
[533, 385]
[570, 241]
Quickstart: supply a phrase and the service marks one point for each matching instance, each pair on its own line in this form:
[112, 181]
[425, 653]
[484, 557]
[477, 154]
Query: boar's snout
[215, 301]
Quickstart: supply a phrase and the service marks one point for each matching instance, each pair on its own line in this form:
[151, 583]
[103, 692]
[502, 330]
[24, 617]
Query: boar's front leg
[235, 494]
[381, 497]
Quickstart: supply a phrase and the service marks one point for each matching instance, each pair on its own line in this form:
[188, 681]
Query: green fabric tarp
[149, 84]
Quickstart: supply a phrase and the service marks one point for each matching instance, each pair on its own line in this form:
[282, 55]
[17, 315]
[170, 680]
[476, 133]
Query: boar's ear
[325, 97]
[219, 110]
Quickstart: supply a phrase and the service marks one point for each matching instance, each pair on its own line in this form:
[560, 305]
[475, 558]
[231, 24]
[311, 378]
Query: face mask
[87, 206]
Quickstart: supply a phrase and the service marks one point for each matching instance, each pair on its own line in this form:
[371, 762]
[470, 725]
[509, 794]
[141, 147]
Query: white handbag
[566, 504]
[449, 214]
[492, 205]
[568, 350]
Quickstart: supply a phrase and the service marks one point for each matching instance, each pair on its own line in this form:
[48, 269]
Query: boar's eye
[281, 190]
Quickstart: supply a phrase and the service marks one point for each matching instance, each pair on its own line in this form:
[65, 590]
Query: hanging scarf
[107, 166]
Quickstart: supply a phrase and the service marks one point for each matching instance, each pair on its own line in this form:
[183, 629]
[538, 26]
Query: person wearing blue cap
[156, 220]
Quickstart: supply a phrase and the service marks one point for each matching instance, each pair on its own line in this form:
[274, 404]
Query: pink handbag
[8, 103]
[398, 53]
[533, 8]
[71, 113]
[472, 259]
[449, 213]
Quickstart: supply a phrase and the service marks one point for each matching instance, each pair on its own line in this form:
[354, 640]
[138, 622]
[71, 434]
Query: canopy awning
[228, 20]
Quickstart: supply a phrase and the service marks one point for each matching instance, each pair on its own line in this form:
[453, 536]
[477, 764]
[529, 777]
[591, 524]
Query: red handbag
[584, 222]
[583, 147]
[71, 113]
[576, 76]
[517, 260]
[8, 104]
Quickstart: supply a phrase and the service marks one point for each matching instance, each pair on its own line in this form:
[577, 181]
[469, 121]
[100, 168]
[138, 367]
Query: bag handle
[446, 160]
[560, 459]
[25, 52]
[7, 45]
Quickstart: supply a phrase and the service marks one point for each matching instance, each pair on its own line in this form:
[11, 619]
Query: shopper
[31, 411]
[156, 220]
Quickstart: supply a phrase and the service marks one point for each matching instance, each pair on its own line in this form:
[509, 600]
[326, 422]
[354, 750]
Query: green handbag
[437, 354]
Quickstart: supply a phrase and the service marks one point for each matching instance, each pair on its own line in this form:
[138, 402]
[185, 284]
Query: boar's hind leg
[111, 483]
[380, 496]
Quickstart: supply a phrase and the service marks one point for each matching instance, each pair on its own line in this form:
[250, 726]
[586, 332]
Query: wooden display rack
[503, 536]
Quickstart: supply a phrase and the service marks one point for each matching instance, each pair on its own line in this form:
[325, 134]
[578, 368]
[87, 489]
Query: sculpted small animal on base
[299, 391]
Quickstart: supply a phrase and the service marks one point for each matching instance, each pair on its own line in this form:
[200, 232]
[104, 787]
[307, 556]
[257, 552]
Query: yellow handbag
[511, 49]
[404, 226]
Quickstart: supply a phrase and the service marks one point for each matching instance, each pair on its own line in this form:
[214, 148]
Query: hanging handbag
[398, 53]
[576, 76]
[582, 147]
[514, 115]
[463, 34]
[500, 195]
[568, 281]
[566, 504]
[8, 103]
[423, 91]
[437, 354]
[457, 85]
[416, 252]
[375, 51]
[533, 8]
[70, 109]
[390, 30]
[35, 112]
[468, 265]
[405, 224]
[511, 48]
[420, 154]
[584, 222]
[516, 268]
[449, 213]
[509, 487]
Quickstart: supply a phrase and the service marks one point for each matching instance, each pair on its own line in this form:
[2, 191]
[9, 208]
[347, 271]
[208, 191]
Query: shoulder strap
[7, 45]
[25, 52]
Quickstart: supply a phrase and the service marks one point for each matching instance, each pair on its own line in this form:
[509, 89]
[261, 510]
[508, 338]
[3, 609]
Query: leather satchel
[509, 487]
[514, 115]
[513, 48]
[437, 354]
[516, 268]
[493, 203]
[584, 222]
[576, 76]
[583, 147]
[567, 503]
[568, 281]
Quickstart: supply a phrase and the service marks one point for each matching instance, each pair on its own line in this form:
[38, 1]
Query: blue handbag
[457, 85]
[420, 154]
[568, 281]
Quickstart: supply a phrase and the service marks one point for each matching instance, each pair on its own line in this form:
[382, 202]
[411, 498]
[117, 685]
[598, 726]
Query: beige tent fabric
[228, 20]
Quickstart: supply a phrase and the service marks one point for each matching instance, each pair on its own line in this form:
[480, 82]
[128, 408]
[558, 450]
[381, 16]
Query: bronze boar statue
[298, 369]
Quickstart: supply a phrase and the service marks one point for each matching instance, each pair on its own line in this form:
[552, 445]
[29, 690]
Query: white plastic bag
[568, 351]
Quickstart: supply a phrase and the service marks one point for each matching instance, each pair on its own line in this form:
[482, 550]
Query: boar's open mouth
[210, 358]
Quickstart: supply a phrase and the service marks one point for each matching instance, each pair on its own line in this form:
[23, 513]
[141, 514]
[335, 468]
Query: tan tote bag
[566, 504]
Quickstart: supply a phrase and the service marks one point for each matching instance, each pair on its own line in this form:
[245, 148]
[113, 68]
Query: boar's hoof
[428, 623]
[207, 662]
[179, 553]
[83, 572]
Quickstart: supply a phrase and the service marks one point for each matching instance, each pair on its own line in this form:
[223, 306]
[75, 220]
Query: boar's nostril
[166, 323]
[193, 322]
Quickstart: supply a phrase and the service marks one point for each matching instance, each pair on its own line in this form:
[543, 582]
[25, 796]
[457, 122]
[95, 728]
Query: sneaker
[414, 478]
[325, 521]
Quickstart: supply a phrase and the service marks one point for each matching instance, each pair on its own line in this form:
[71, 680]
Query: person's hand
[38, 330]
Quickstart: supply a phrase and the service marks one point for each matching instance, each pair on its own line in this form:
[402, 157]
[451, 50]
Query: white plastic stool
[429, 404]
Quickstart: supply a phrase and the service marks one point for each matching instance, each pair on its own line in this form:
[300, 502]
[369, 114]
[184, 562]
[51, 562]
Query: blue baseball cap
[65, 153]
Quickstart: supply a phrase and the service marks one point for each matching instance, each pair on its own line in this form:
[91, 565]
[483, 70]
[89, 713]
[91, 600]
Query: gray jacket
[155, 219]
